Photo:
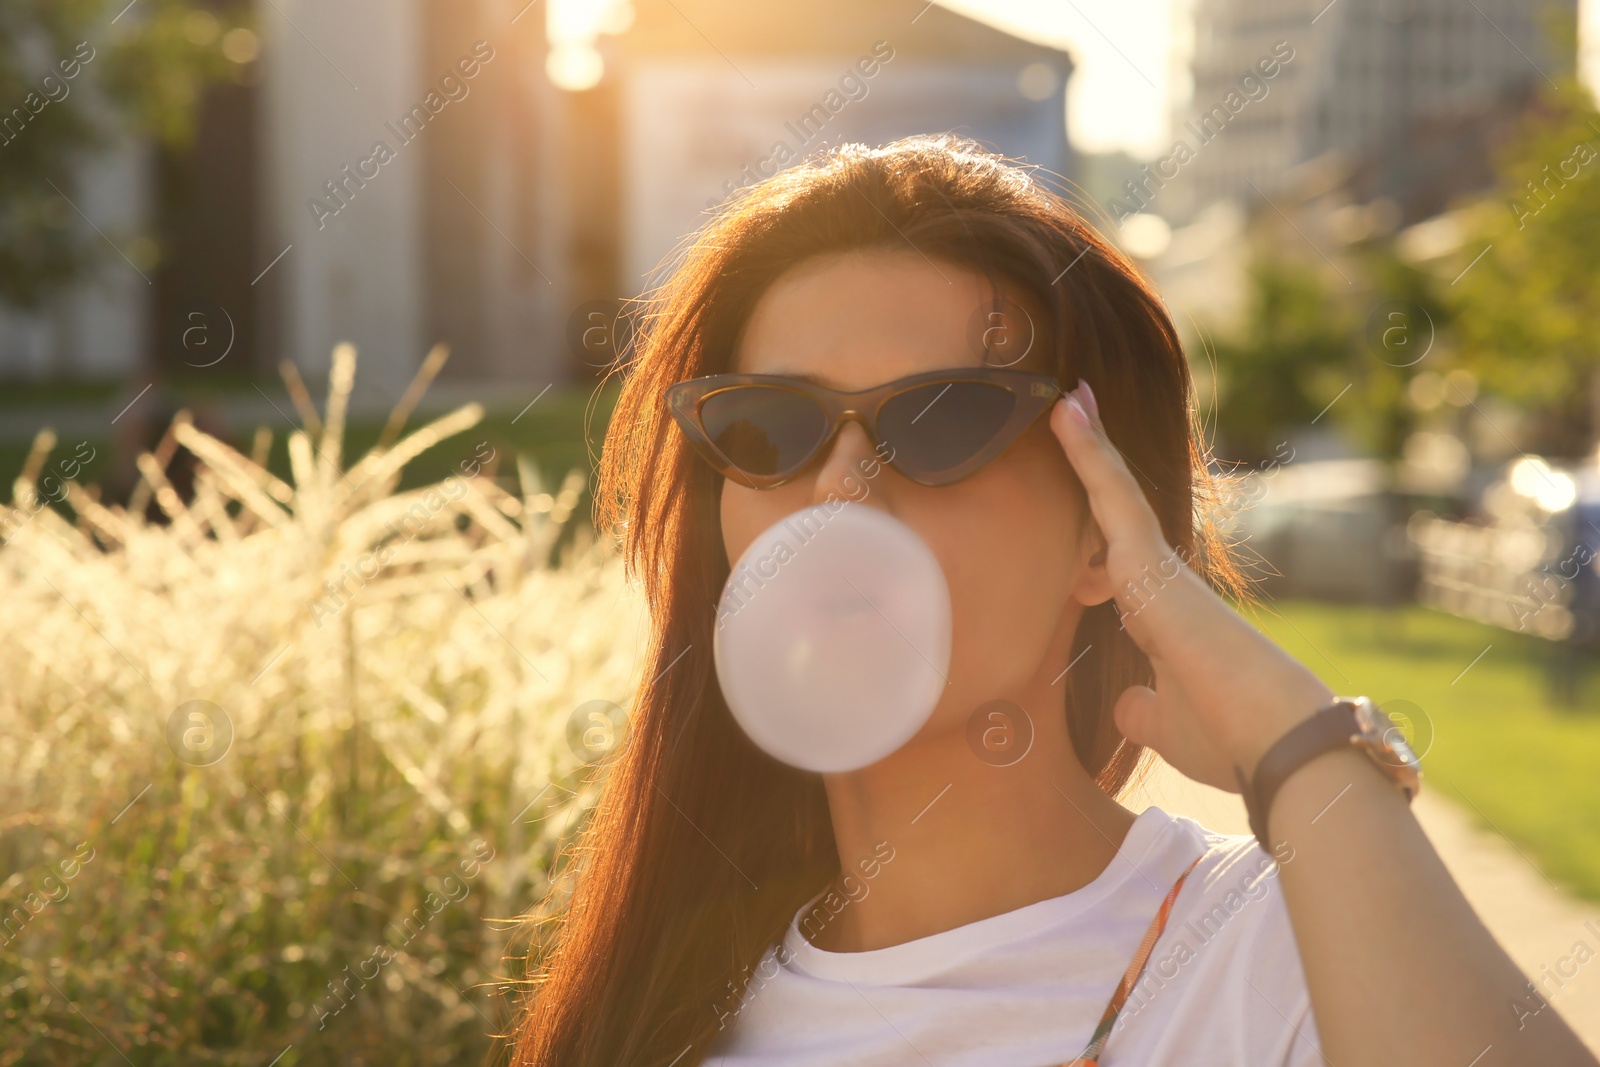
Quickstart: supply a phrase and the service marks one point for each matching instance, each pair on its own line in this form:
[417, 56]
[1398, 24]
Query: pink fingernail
[1075, 410]
[1088, 396]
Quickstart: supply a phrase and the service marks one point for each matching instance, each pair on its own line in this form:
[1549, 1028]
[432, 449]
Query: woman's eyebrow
[808, 376]
[816, 379]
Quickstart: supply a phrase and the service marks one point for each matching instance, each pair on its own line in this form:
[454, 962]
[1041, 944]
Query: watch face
[1390, 744]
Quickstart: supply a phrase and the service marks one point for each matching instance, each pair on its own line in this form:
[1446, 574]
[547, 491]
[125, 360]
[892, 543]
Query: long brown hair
[701, 847]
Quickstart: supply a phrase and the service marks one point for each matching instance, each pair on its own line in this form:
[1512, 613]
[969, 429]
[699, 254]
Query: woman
[944, 905]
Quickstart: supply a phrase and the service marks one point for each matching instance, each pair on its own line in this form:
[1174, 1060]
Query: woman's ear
[1094, 582]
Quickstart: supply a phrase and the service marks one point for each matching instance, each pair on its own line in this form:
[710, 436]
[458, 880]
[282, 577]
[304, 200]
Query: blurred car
[1526, 559]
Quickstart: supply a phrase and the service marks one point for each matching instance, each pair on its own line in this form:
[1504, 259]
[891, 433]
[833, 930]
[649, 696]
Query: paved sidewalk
[1536, 922]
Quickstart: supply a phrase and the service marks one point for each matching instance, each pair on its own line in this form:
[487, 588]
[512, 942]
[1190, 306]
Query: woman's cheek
[980, 587]
[1010, 568]
[742, 520]
[1003, 618]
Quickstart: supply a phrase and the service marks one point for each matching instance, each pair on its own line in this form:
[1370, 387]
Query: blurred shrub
[274, 767]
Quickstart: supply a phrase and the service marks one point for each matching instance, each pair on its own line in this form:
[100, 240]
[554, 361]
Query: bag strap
[1090, 1056]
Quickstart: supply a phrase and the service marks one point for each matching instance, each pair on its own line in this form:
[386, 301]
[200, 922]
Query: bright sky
[1127, 53]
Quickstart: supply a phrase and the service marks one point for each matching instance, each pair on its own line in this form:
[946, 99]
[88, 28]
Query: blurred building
[400, 172]
[1407, 91]
[456, 236]
[1328, 124]
[707, 107]
[94, 329]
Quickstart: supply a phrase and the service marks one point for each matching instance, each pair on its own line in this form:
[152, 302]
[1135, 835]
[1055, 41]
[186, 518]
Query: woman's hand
[1224, 693]
[1362, 881]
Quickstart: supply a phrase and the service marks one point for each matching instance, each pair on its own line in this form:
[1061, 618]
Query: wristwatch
[1347, 722]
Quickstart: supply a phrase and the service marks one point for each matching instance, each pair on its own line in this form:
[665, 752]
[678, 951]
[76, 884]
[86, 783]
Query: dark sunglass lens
[762, 429]
[934, 428]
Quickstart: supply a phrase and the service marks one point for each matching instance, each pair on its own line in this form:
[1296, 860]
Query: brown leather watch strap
[1329, 728]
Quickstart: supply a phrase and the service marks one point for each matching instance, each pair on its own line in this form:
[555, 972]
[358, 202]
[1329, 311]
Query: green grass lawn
[1493, 739]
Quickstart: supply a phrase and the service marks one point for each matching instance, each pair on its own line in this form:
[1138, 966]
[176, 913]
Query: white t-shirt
[1026, 988]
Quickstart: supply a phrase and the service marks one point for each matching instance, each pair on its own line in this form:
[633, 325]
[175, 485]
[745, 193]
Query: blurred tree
[1526, 311]
[73, 75]
[1312, 349]
[1406, 334]
[1285, 364]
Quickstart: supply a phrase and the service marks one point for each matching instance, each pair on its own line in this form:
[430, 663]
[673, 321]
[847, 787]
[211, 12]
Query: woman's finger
[1144, 569]
[1136, 714]
[1115, 496]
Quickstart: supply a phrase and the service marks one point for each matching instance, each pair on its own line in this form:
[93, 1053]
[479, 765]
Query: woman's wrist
[1257, 735]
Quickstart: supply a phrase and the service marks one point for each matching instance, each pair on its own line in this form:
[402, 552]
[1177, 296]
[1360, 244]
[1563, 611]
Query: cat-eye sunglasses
[939, 426]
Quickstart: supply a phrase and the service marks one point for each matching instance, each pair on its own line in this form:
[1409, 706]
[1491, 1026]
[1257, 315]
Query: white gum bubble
[832, 643]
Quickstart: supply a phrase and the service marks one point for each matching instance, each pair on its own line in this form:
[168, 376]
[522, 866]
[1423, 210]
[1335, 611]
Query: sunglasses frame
[1034, 393]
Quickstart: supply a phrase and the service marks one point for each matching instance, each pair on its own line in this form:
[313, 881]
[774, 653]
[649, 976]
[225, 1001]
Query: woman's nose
[853, 469]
